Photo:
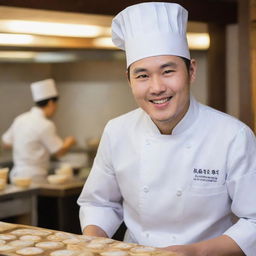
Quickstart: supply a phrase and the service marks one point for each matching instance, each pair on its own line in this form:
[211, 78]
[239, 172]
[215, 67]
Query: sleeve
[50, 139]
[7, 137]
[101, 201]
[241, 183]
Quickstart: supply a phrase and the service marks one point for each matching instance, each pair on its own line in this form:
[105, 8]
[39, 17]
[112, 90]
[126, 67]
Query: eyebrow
[168, 64]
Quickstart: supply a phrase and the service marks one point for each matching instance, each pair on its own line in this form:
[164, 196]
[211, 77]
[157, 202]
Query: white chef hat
[151, 29]
[44, 89]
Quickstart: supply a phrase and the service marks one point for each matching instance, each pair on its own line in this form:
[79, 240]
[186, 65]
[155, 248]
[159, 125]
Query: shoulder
[221, 121]
[125, 121]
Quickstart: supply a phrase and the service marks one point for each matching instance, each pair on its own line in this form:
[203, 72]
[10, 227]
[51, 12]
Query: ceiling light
[52, 28]
[13, 39]
[105, 42]
[198, 41]
[16, 55]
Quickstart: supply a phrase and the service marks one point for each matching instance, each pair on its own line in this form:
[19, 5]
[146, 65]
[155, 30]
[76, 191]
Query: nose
[157, 86]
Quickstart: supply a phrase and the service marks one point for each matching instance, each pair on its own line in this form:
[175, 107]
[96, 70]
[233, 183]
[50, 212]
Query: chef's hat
[151, 29]
[43, 90]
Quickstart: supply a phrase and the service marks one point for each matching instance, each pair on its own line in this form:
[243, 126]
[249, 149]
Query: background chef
[33, 136]
[174, 170]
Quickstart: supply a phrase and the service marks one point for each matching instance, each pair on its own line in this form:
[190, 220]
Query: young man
[174, 170]
[33, 135]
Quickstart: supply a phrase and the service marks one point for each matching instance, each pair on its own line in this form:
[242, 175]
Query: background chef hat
[43, 90]
[151, 29]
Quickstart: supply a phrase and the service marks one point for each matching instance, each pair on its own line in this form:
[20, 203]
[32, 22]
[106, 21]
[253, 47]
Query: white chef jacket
[33, 138]
[174, 189]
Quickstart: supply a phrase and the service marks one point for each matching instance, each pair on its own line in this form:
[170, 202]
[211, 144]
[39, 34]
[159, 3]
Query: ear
[192, 70]
[127, 76]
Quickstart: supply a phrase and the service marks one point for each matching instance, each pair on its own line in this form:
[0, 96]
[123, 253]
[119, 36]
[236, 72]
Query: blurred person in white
[33, 136]
[173, 170]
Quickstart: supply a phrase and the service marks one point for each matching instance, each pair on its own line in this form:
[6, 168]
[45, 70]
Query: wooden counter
[19, 203]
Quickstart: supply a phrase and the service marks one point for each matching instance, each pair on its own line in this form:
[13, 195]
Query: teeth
[160, 101]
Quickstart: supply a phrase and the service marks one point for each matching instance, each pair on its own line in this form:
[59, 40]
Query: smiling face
[161, 87]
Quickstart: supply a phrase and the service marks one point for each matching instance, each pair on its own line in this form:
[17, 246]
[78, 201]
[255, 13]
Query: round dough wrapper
[6, 248]
[97, 246]
[114, 253]
[30, 238]
[28, 231]
[2, 242]
[123, 246]
[50, 245]
[64, 253]
[103, 240]
[20, 243]
[30, 251]
[7, 237]
[142, 249]
[72, 241]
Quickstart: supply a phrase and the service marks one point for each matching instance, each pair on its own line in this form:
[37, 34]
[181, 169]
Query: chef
[173, 170]
[33, 135]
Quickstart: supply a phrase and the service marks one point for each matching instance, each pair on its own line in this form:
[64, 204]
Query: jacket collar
[37, 111]
[185, 123]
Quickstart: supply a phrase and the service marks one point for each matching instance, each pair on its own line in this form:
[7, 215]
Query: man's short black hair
[187, 63]
[43, 103]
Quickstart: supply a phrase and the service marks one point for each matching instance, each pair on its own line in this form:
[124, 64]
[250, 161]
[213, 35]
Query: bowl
[4, 173]
[23, 182]
[57, 179]
[2, 184]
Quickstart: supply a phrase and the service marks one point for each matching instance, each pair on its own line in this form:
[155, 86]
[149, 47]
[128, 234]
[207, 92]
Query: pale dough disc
[72, 241]
[2, 242]
[64, 253]
[54, 238]
[86, 238]
[6, 248]
[30, 251]
[6, 226]
[28, 231]
[64, 235]
[20, 243]
[103, 240]
[114, 253]
[50, 245]
[142, 249]
[30, 238]
[98, 246]
[121, 245]
[7, 237]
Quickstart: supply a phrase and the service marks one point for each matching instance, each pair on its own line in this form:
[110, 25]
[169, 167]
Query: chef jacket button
[179, 193]
[147, 142]
[147, 235]
[146, 189]
[173, 238]
[188, 146]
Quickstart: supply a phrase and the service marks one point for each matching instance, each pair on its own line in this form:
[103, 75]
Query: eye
[142, 76]
[168, 71]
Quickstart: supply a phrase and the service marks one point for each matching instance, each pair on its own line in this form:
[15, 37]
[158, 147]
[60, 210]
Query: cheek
[138, 91]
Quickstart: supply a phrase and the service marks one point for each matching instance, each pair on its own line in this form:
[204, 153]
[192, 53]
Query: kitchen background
[95, 89]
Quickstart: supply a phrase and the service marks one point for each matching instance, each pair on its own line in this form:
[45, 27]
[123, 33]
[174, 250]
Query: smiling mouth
[161, 101]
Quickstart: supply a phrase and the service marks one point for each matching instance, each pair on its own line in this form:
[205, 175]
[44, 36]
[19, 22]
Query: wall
[92, 92]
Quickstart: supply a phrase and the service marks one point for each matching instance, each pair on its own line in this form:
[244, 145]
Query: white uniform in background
[174, 189]
[33, 138]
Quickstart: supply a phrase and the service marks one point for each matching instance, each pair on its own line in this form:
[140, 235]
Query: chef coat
[33, 138]
[174, 189]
